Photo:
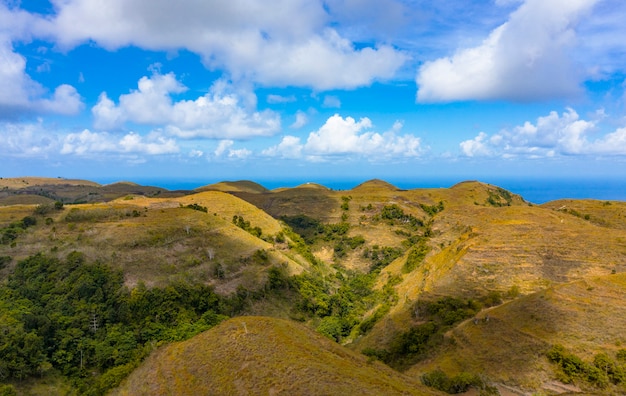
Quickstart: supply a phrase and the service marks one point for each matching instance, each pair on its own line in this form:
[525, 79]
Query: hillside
[256, 355]
[234, 186]
[41, 190]
[509, 343]
[396, 274]
[160, 240]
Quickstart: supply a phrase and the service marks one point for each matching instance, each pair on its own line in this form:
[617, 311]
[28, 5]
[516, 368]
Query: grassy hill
[41, 190]
[234, 186]
[264, 356]
[160, 240]
[399, 274]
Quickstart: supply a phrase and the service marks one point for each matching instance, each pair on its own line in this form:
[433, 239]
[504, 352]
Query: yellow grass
[264, 356]
[586, 316]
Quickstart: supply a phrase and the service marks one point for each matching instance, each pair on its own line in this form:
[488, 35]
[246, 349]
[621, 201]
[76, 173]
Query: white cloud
[528, 57]
[239, 153]
[301, 120]
[551, 135]
[65, 100]
[17, 87]
[331, 101]
[152, 144]
[194, 153]
[345, 137]
[225, 149]
[287, 42]
[476, 147]
[26, 140]
[218, 114]
[289, 147]
[20, 94]
[273, 99]
[88, 143]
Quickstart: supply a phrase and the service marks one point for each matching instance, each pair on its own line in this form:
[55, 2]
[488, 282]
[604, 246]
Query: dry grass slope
[587, 317]
[264, 356]
[158, 240]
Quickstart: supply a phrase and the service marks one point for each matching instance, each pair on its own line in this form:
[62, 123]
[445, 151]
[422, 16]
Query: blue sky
[312, 90]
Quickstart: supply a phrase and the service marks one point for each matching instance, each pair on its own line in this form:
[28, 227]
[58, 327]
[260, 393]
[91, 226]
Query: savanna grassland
[236, 289]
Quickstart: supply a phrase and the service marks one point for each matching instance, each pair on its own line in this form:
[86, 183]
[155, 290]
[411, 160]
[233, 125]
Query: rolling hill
[405, 276]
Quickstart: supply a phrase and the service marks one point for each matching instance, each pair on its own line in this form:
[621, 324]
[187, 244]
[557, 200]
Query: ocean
[535, 190]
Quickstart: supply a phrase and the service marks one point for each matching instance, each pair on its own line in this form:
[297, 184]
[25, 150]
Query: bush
[460, 383]
[4, 261]
[331, 327]
[7, 390]
[603, 370]
[198, 207]
[415, 257]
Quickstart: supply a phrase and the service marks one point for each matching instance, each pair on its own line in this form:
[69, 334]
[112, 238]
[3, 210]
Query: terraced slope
[264, 356]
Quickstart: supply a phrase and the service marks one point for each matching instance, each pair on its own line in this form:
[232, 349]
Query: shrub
[198, 207]
[460, 383]
[415, 257]
[331, 327]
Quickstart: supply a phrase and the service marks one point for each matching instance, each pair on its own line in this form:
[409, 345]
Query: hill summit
[259, 355]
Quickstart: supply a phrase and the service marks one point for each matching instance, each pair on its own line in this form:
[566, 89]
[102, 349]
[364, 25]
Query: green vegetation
[394, 214]
[240, 222]
[416, 256]
[599, 373]
[381, 256]
[97, 214]
[411, 346]
[77, 318]
[460, 383]
[4, 261]
[45, 209]
[499, 197]
[10, 233]
[314, 231]
[198, 207]
[432, 210]
[340, 303]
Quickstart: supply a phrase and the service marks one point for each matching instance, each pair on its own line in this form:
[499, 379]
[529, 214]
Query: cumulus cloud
[289, 147]
[20, 94]
[65, 100]
[218, 114]
[225, 149]
[531, 56]
[17, 87]
[287, 42]
[551, 135]
[88, 143]
[345, 137]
